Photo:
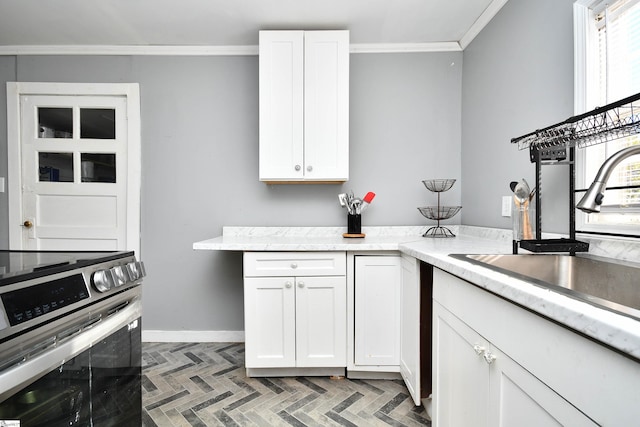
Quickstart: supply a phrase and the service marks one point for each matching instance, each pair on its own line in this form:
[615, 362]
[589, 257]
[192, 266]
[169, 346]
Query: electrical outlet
[506, 206]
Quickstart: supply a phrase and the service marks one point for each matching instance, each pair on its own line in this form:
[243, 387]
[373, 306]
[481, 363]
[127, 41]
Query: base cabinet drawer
[264, 264]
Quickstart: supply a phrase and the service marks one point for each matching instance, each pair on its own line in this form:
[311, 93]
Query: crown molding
[482, 21]
[405, 47]
[127, 50]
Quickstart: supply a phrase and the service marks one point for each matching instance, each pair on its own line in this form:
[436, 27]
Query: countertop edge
[616, 331]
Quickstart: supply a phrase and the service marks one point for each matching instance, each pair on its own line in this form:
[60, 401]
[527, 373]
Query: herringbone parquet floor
[205, 384]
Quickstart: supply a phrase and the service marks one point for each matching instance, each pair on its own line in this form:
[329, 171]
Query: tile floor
[204, 384]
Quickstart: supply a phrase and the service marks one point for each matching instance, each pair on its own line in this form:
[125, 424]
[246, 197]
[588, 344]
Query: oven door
[91, 379]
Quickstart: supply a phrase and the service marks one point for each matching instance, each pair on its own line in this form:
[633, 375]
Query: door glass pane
[55, 122]
[98, 123]
[98, 167]
[55, 167]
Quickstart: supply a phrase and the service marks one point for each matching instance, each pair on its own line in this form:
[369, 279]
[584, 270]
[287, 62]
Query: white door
[326, 105]
[269, 322]
[410, 327]
[460, 374]
[321, 321]
[281, 105]
[377, 312]
[74, 184]
[520, 399]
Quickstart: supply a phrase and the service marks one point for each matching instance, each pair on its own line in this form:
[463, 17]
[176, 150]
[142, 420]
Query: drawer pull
[288, 285]
[294, 265]
[478, 349]
[301, 284]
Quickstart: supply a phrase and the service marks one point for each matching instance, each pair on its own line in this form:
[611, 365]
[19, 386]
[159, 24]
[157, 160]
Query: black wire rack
[556, 144]
[613, 121]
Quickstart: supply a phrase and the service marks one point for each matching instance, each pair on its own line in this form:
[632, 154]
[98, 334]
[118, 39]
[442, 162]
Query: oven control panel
[25, 304]
[106, 279]
[50, 292]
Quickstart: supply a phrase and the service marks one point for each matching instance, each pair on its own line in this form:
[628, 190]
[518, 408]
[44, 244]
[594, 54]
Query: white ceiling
[31, 23]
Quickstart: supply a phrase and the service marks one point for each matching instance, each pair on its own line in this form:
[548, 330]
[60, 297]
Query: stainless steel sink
[606, 284]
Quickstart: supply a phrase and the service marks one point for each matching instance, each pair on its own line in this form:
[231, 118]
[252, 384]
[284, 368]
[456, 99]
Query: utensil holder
[354, 224]
[522, 226]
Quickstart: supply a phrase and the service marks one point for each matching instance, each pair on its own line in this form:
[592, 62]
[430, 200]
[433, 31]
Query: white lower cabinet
[497, 364]
[477, 384]
[384, 340]
[295, 321]
[377, 310]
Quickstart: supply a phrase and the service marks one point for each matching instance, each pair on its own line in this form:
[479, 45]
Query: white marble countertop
[617, 331]
[309, 239]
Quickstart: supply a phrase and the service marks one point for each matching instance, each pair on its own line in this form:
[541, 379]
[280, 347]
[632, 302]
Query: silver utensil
[522, 193]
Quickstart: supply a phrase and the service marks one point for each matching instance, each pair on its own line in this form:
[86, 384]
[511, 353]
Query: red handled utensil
[367, 199]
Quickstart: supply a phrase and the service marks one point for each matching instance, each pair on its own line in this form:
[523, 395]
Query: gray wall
[518, 77]
[200, 165]
[413, 116]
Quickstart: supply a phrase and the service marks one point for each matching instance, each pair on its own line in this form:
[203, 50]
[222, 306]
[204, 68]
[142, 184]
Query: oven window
[100, 387]
[60, 398]
[116, 371]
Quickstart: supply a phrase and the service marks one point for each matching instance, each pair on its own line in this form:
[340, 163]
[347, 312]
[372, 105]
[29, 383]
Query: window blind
[617, 50]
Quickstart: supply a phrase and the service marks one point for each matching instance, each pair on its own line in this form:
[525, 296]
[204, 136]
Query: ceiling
[31, 23]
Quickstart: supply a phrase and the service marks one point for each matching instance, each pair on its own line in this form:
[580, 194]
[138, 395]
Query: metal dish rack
[556, 144]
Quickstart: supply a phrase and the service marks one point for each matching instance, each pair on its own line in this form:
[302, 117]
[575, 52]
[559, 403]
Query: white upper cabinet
[304, 106]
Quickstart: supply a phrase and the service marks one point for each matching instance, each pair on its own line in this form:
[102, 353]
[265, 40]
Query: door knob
[27, 224]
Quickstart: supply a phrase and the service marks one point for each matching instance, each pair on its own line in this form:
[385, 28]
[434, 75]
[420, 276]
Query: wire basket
[439, 212]
[438, 185]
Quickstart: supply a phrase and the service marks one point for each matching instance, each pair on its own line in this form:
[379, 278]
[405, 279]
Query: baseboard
[192, 336]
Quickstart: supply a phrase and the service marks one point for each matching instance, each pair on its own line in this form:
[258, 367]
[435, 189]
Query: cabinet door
[460, 374]
[281, 109]
[326, 105]
[377, 310]
[410, 326]
[269, 322]
[321, 321]
[520, 399]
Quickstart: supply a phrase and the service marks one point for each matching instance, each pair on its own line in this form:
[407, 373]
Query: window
[607, 35]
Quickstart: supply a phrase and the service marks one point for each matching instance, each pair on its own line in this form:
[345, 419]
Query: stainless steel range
[70, 338]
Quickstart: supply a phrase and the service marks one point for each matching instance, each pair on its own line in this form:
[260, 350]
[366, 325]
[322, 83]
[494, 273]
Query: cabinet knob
[294, 265]
[301, 284]
[297, 167]
[489, 357]
[287, 285]
[309, 168]
[478, 349]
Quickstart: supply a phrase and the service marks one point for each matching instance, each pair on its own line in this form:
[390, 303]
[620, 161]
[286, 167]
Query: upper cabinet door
[326, 103]
[304, 106]
[281, 87]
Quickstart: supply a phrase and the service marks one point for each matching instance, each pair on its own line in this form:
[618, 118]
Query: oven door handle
[91, 323]
[117, 308]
